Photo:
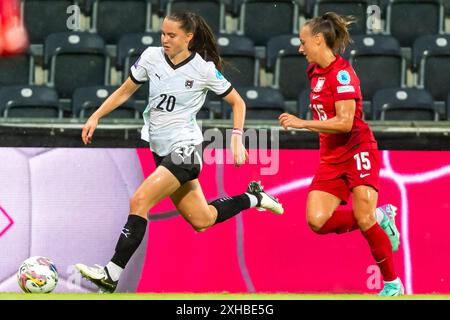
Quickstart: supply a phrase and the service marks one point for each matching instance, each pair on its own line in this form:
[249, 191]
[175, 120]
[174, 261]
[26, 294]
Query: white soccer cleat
[265, 201]
[99, 276]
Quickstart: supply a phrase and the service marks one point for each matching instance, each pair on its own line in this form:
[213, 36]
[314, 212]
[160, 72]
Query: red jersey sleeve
[345, 84]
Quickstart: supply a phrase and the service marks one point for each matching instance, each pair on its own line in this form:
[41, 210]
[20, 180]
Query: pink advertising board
[55, 200]
[260, 252]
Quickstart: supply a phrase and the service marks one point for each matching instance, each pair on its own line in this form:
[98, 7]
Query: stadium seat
[446, 4]
[404, 104]
[304, 7]
[448, 107]
[111, 19]
[370, 42]
[213, 103]
[261, 103]
[205, 112]
[409, 19]
[213, 11]
[288, 65]
[383, 4]
[43, 17]
[431, 56]
[241, 64]
[15, 70]
[378, 62]
[303, 109]
[87, 99]
[241, 67]
[230, 7]
[159, 7]
[309, 8]
[129, 48]
[30, 102]
[75, 60]
[357, 8]
[255, 15]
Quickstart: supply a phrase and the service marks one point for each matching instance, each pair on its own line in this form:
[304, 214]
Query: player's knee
[201, 225]
[200, 229]
[137, 201]
[315, 222]
[365, 221]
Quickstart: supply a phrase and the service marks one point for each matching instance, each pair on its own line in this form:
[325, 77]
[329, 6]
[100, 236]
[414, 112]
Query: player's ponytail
[204, 41]
[334, 29]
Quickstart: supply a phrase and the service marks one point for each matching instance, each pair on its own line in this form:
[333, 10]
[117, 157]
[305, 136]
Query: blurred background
[401, 53]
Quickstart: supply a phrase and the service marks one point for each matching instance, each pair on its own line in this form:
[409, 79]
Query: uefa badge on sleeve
[343, 77]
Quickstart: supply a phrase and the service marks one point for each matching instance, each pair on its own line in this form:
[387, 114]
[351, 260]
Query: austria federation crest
[188, 84]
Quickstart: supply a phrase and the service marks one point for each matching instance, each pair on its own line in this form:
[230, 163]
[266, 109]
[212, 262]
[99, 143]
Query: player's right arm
[341, 123]
[116, 99]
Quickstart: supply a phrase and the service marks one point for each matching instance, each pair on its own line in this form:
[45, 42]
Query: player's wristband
[237, 131]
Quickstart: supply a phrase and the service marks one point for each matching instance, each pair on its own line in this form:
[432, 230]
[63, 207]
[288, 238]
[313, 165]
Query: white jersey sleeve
[216, 82]
[139, 70]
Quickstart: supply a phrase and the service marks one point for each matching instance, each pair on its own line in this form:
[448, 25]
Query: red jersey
[337, 82]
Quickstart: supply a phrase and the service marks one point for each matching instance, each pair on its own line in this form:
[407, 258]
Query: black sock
[229, 207]
[132, 234]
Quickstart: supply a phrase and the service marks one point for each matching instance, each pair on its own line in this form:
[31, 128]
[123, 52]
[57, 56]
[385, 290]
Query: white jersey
[176, 94]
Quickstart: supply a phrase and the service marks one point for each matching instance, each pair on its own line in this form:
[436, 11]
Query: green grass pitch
[213, 296]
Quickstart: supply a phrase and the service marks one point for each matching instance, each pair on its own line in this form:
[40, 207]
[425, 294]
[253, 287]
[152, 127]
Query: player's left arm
[237, 104]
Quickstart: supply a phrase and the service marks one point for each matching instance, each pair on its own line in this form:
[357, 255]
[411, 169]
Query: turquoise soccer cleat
[388, 224]
[392, 288]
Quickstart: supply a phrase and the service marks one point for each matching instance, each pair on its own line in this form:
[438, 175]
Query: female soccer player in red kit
[349, 159]
[13, 36]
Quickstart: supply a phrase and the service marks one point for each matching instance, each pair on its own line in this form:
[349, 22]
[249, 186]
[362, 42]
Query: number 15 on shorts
[362, 161]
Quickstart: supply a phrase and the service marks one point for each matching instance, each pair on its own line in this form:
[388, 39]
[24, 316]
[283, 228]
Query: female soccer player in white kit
[180, 74]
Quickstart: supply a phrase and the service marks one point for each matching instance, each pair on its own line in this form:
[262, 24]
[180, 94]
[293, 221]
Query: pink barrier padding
[5, 221]
[261, 252]
[182, 260]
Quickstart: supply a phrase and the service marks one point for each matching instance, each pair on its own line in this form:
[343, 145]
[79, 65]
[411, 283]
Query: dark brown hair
[203, 42]
[334, 29]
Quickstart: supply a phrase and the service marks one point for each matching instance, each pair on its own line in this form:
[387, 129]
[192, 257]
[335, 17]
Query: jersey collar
[314, 68]
[182, 63]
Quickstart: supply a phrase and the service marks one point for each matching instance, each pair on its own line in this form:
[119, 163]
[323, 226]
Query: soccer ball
[37, 275]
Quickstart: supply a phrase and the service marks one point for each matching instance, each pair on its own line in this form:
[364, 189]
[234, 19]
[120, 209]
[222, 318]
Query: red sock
[381, 248]
[341, 221]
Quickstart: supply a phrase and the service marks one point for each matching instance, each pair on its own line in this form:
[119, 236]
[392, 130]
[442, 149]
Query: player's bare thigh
[192, 205]
[157, 186]
[365, 200]
[320, 206]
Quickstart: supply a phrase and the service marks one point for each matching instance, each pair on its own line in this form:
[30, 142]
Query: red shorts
[363, 168]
